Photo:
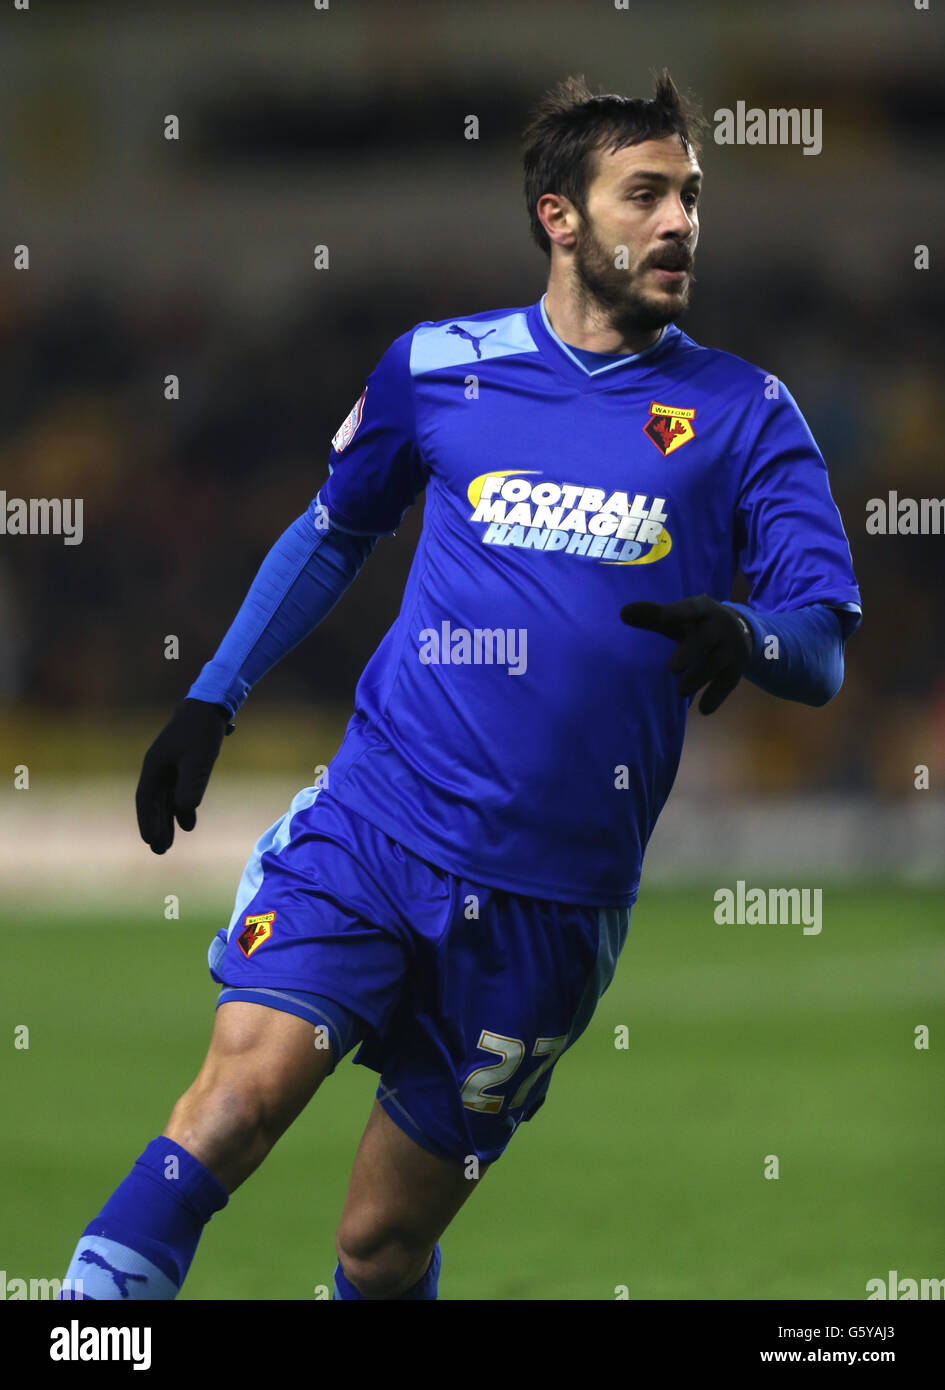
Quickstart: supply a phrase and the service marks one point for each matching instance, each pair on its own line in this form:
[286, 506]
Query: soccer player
[455, 897]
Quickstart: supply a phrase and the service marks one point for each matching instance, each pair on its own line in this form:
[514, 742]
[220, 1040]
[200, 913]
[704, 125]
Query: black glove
[176, 771]
[715, 644]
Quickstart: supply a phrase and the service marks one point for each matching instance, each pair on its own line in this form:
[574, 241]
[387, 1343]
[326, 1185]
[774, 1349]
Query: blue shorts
[469, 994]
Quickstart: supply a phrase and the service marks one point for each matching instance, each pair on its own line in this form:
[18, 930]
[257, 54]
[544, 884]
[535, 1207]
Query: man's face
[644, 198]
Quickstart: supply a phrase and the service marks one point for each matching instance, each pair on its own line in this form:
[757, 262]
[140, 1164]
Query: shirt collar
[608, 367]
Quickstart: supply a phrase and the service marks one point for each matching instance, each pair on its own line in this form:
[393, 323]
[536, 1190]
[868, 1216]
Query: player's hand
[176, 771]
[715, 644]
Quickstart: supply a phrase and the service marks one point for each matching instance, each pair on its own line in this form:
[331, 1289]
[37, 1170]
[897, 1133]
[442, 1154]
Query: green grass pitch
[644, 1168]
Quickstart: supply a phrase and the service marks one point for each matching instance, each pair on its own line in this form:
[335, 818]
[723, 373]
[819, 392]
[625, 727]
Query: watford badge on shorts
[669, 427]
[256, 930]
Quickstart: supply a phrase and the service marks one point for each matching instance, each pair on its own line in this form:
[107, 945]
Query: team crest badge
[256, 930]
[669, 427]
[343, 438]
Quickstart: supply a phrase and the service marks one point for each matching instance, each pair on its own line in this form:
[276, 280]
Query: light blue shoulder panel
[450, 344]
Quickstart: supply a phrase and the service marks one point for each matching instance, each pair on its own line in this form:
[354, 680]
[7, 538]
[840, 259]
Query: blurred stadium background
[344, 127]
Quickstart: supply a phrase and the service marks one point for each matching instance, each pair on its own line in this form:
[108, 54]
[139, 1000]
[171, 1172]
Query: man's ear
[559, 217]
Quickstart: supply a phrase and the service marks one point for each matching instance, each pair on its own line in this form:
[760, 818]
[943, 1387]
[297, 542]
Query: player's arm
[797, 655]
[804, 602]
[376, 472]
[301, 579]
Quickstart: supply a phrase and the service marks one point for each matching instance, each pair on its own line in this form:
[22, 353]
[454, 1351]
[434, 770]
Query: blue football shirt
[509, 728]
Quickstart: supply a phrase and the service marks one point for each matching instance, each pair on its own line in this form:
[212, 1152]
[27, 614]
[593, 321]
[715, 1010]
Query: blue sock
[425, 1287]
[141, 1244]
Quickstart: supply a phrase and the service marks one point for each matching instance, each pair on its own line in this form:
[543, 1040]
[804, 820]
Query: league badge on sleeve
[343, 438]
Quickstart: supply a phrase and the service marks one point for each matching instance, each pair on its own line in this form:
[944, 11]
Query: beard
[616, 295]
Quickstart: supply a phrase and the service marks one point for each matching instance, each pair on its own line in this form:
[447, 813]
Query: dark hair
[571, 124]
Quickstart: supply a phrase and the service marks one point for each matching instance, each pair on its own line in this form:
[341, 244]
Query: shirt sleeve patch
[341, 440]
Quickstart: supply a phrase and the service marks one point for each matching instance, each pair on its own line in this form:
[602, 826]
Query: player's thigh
[261, 1069]
[277, 1052]
[399, 1194]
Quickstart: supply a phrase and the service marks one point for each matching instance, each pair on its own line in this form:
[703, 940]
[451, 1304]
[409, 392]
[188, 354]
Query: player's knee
[228, 1117]
[379, 1262]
